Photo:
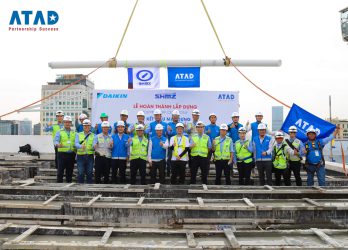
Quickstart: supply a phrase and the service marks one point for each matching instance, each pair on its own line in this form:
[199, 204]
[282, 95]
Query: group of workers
[167, 148]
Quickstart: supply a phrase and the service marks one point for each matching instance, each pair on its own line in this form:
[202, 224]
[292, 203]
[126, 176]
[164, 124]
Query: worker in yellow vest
[138, 155]
[64, 141]
[180, 145]
[85, 153]
[54, 128]
[200, 145]
[223, 155]
[244, 158]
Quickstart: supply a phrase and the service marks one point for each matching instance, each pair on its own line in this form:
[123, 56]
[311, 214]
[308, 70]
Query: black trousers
[265, 169]
[278, 173]
[160, 166]
[219, 166]
[295, 167]
[118, 165]
[102, 169]
[56, 156]
[178, 169]
[135, 165]
[66, 162]
[244, 172]
[199, 162]
[210, 153]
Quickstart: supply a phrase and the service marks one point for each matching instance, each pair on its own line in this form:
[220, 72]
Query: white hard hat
[279, 134]
[175, 112]
[120, 123]
[196, 112]
[235, 114]
[139, 127]
[259, 113]
[83, 116]
[157, 112]
[86, 122]
[200, 124]
[59, 112]
[261, 126]
[159, 127]
[179, 124]
[311, 130]
[242, 130]
[67, 118]
[292, 129]
[140, 113]
[124, 112]
[105, 124]
[224, 126]
[212, 114]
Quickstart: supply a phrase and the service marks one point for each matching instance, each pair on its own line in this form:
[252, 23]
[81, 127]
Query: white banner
[144, 78]
[222, 103]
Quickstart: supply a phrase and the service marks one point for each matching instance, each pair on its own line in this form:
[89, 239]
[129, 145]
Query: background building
[37, 129]
[73, 101]
[343, 134]
[25, 127]
[277, 117]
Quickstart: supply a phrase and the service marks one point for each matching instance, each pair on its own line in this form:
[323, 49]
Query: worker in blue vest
[234, 126]
[119, 153]
[98, 127]
[102, 145]
[79, 122]
[171, 131]
[158, 120]
[262, 147]
[140, 120]
[213, 131]
[64, 141]
[315, 162]
[157, 155]
[254, 126]
[54, 128]
[85, 153]
[124, 118]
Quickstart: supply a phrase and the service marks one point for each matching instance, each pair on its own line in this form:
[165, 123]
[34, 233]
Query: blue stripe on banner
[130, 78]
[183, 77]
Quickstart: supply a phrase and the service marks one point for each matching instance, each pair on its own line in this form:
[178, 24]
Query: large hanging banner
[222, 103]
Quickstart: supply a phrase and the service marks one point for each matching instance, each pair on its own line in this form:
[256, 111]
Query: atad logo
[29, 20]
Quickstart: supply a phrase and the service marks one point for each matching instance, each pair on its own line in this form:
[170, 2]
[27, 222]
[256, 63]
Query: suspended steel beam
[162, 63]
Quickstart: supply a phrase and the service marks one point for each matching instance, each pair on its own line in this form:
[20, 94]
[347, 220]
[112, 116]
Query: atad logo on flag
[143, 78]
[28, 20]
[183, 77]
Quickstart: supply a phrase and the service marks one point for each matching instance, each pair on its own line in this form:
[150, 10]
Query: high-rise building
[277, 117]
[73, 101]
[5, 127]
[343, 123]
[25, 127]
[37, 129]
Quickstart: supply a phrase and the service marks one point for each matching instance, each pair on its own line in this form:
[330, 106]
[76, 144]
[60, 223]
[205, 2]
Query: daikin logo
[111, 96]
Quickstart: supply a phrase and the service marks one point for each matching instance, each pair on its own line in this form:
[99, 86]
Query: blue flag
[183, 77]
[304, 120]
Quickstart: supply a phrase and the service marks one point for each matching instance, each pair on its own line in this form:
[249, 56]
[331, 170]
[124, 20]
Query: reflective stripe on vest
[279, 158]
[183, 144]
[89, 150]
[67, 141]
[242, 152]
[201, 145]
[226, 150]
[296, 144]
[103, 145]
[139, 149]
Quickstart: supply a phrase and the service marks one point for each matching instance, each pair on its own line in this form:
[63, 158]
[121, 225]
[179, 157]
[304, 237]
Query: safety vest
[89, 150]
[67, 141]
[279, 157]
[103, 147]
[314, 152]
[201, 147]
[226, 150]
[139, 148]
[55, 129]
[242, 152]
[296, 144]
[183, 144]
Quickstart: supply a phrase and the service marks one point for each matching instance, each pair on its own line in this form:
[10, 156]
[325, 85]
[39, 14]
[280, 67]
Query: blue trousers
[311, 170]
[85, 168]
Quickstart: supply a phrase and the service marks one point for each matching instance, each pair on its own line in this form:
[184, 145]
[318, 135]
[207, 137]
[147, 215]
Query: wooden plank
[269, 187]
[231, 238]
[157, 186]
[326, 238]
[205, 187]
[50, 199]
[142, 198]
[69, 185]
[28, 183]
[126, 186]
[94, 200]
[248, 202]
[46, 216]
[191, 239]
[4, 226]
[106, 236]
[312, 202]
[200, 201]
[24, 235]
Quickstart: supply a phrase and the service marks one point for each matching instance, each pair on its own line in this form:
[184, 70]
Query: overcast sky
[305, 35]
